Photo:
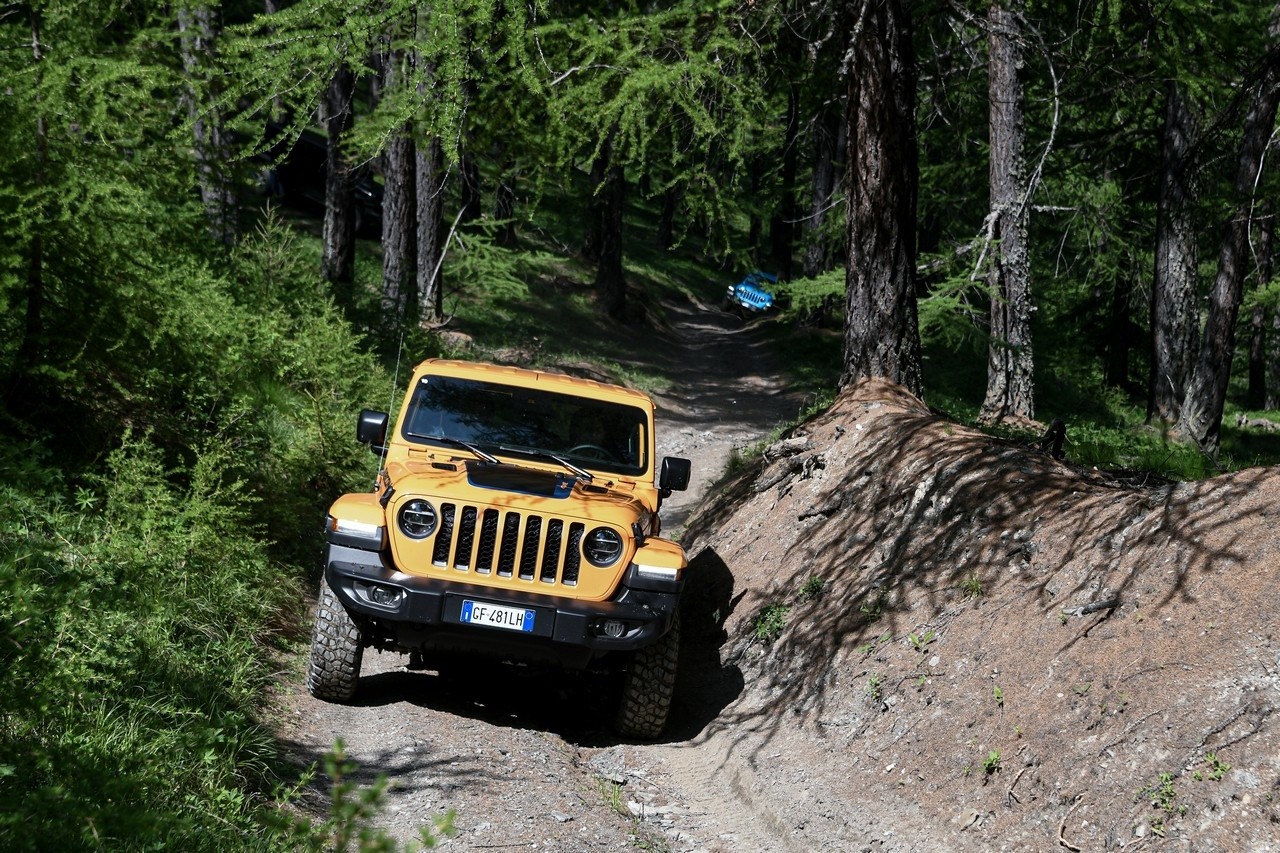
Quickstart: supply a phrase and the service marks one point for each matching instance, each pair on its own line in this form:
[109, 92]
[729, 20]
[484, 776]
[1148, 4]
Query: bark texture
[430, 174]
[828, 139]
[1201, 415]
[1174, 327]
[1257, 394]
[399, 211]
[881, 337]
[339, 237]
[1010, 374]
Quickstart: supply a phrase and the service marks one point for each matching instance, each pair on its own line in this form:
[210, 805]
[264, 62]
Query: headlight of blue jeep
[602, 547]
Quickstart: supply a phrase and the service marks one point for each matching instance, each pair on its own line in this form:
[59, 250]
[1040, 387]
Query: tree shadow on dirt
[415, 768]
[579, 707]
[896, 511]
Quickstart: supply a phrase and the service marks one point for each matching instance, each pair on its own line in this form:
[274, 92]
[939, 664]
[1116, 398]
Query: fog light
[614, 628]
[385, 595]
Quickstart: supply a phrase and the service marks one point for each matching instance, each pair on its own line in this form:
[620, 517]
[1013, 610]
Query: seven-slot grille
[508, 544]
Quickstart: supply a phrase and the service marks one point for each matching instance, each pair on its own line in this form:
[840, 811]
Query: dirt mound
[942, 638]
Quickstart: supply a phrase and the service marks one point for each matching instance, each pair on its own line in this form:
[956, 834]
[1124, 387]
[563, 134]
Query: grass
[612, 794]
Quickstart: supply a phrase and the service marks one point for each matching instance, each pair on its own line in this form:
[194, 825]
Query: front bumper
[410, 612]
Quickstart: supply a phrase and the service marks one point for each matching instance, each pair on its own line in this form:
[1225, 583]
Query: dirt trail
[980, 648]
[525, 756]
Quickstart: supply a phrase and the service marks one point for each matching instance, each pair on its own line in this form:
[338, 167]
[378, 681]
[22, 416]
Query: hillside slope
[984, 648]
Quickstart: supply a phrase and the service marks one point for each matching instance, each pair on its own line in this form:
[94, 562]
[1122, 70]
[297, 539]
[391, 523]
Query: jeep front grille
[508, 544]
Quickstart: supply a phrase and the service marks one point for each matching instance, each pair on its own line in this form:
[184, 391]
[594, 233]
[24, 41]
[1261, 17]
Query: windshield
[508, 419]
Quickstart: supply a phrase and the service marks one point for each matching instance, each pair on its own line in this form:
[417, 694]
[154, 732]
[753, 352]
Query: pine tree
[1200, 418]
[881, 338]
[1010, 378]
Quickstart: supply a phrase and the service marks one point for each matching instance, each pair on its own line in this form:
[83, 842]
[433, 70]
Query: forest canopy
[1075, 201]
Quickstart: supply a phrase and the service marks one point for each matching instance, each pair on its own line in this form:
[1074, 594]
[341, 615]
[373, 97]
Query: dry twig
[1062, 826]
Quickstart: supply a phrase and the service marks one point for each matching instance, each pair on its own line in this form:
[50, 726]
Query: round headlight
[417, 519]
[602, 547]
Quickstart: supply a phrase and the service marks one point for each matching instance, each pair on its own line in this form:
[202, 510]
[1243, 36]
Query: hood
[507, 484]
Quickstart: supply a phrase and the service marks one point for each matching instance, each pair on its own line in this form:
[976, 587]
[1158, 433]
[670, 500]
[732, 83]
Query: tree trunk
[30, 348]
[881, 335]
[339, 238]
[1010, 375]
[198, 30]
[666, 233]
[826, 133]
[399, 210]
[610, 282]
[1273, 363]
[1118, 328]
[472, 204]
[1173, 291]
[1257, 393]
[782, 226]
[1201, 415]
[755, 227]
[592, 239]
[430, 199]
[504, 207]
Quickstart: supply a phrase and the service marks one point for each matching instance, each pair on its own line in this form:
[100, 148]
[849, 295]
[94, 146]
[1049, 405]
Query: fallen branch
[1010, 796]
[1062, 825]
[787, 447]
[1092, 607]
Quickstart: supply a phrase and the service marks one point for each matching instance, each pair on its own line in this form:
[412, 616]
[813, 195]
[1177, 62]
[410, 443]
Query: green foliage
[920, 642]
[135, 654]
[872, 606]
[352, 811]
[285, 61]
[769, 622]
[1217, 767]
[951, 314]
[675, 86]
[991, 764]
[811, 590]
[1163, 795]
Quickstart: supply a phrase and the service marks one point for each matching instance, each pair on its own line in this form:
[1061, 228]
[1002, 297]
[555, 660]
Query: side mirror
[675, 474]
[371, 429]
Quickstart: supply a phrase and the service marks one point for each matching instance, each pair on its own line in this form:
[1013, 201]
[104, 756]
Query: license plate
[497, 616]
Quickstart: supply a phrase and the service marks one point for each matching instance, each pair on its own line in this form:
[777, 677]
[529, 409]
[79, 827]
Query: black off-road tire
[647, 687]
[337, 650]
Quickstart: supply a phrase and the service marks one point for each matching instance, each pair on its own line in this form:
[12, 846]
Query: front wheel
[648, 686]
[336, 650]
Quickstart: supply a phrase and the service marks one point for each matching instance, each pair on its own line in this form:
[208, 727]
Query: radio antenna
[391, 402]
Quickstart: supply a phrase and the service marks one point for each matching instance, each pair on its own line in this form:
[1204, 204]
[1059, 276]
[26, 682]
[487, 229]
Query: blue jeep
[751, 296]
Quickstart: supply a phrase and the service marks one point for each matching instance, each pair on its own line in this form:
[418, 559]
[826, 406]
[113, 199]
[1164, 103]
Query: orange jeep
[515, 515]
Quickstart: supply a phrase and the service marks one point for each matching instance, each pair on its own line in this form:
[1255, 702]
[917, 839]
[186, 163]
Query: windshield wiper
[457, 442]
[580, 473]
